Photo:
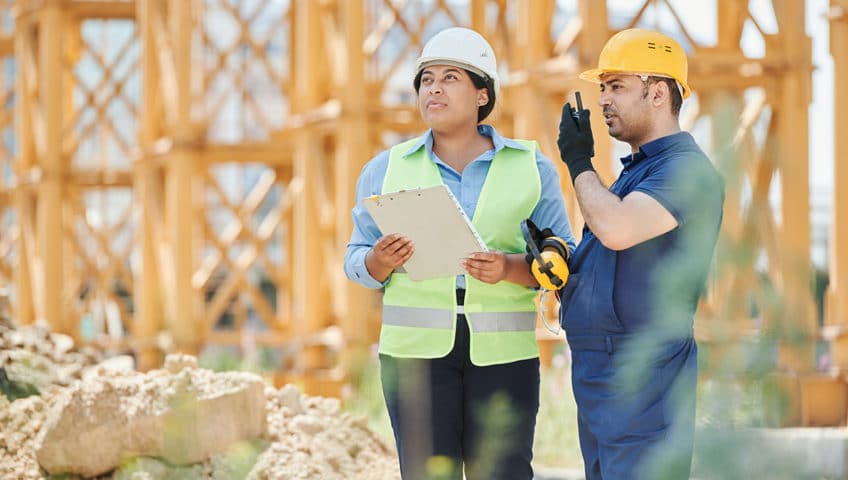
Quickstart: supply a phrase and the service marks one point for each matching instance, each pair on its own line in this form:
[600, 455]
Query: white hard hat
[463, 48]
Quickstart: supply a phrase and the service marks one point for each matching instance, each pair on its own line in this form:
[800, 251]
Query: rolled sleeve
[683, 185]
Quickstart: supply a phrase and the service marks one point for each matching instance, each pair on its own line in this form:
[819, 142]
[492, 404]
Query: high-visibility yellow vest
[419, 317]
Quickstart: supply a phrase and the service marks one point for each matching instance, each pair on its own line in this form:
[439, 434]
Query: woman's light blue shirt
[466, 187]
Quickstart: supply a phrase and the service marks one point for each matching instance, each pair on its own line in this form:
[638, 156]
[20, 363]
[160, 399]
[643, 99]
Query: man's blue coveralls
[628, 316]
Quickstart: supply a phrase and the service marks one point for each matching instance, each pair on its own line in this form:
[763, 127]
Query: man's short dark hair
[673, 90]
[479, 82]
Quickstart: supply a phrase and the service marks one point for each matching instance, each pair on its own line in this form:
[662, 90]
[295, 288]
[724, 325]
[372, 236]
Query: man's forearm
[599, 206]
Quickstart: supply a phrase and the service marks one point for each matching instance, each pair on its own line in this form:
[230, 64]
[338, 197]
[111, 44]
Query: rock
[290, 398]
[62, 344]
[182, 419]
[23, 366]
[308, 424]
[177, 362]
[110, 366]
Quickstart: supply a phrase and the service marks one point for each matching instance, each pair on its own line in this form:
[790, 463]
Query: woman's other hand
[390, 251]
[488, 267]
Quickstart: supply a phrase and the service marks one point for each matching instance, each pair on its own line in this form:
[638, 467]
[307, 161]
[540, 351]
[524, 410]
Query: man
[628, 305]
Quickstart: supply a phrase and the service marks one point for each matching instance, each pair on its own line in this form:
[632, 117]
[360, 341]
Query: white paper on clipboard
[432, 218]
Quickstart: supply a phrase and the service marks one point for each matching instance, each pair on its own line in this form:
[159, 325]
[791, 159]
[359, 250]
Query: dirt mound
[303, 438]
[32, 355]
[20, 423]
[312, 439]
[182, 414]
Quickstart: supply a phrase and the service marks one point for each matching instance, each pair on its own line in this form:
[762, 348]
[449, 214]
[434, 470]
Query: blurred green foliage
[729, 408]
[556, 441]
[14, 390]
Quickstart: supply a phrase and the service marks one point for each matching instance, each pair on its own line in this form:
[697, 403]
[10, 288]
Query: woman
[458, 355]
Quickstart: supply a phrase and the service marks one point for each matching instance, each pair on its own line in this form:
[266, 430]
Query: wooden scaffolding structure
[180, 173]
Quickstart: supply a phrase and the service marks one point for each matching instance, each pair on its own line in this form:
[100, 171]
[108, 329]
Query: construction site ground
[94, 416]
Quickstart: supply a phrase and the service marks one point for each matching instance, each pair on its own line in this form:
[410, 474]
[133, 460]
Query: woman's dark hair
[479, 82]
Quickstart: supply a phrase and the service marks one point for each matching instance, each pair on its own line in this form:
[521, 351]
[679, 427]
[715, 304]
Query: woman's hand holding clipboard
[441, 234]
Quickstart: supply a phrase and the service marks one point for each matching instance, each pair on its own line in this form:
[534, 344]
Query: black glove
[575, 142]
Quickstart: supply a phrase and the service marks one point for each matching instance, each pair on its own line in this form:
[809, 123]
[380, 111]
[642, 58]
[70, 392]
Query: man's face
[626, 109]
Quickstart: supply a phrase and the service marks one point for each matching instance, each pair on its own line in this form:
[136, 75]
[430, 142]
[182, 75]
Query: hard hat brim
[426, 62]
[423, 63]
[593, 75]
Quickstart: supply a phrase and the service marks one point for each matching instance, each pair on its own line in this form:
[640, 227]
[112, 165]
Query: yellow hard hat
[638, 51]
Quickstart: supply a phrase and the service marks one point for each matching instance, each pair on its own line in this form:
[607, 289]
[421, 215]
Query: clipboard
[434, 220]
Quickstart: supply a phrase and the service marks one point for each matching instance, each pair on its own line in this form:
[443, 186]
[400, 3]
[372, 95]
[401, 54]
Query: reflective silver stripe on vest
[417, 317]
[487, 322]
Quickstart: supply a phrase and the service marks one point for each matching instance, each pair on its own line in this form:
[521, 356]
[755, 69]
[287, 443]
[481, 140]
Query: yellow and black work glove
[575, 141]
[547, 256]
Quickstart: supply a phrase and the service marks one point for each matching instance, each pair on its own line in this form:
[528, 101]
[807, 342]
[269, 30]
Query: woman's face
[447, 98]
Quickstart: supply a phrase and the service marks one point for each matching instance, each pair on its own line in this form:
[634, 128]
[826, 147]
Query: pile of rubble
[178, 422]
[35, 357]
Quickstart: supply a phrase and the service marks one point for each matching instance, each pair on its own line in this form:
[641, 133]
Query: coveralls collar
[655, 147]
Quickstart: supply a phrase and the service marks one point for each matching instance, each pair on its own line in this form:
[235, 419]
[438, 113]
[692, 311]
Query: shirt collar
[499, 142]
[656, 147]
